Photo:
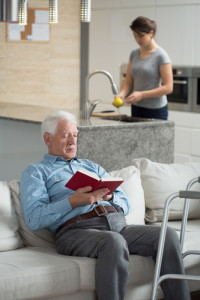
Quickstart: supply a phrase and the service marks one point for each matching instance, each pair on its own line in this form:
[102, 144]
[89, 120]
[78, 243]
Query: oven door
[181, 97]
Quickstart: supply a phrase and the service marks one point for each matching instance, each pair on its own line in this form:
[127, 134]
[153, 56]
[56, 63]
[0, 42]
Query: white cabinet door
[197, 35]
[175, 2]
[176, 32]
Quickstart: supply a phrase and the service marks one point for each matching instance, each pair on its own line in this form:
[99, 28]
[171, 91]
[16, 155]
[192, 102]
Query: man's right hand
[84, 196]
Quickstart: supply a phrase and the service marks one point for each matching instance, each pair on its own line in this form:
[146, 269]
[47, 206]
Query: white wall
[21, 143]
[111, 42]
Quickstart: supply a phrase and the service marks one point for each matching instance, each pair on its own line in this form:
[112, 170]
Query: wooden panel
[45, 74]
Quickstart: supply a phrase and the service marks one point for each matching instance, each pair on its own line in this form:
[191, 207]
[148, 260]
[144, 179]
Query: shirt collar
[53, 158]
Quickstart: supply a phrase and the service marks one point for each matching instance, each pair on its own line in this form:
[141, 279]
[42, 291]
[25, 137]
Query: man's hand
[84, 196]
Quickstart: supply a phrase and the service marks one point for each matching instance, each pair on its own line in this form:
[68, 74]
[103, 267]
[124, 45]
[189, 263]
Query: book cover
[84, 178]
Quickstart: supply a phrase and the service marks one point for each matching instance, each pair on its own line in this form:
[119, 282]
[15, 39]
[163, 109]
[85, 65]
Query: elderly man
[91, 223]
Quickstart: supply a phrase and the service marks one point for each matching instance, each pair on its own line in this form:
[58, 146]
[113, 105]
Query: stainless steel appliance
[196, 90]
[182, 95]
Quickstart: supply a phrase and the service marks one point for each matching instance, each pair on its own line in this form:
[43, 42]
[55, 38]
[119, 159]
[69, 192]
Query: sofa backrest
[9, 234]
[159, 180]
[39, 238]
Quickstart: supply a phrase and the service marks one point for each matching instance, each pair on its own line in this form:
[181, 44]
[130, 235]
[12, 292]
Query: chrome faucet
[92, 106]
[89, 106]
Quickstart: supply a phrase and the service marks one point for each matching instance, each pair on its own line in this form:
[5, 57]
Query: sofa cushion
[39, 238]
[37, 273]
[9, 235]
[137, 277]
[159, 180]
[134, 191]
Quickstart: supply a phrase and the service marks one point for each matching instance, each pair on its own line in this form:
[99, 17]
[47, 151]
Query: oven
[182, 95]
[196, 90]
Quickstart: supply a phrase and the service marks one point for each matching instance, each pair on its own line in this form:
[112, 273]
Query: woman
[149, 74]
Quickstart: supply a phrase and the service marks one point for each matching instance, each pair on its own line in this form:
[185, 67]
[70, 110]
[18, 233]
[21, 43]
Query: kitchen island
[113, 144]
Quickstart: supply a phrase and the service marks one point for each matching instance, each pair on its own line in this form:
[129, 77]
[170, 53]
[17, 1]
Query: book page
[112, 179]
[86, 172]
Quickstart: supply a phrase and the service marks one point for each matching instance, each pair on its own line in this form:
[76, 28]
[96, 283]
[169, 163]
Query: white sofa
[30, 268]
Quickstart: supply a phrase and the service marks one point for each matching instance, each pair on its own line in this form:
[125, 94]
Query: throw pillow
[9, 235]
[39, 238]
[159, 180]
[134, 191]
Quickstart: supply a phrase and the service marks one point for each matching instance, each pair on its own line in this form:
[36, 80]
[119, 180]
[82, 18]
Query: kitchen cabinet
[106, 4]
[187, 136]
[196, 35]
[174, 2]
[131, 3]
[175, 34]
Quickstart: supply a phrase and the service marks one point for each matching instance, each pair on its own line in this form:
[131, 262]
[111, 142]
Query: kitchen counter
[36, 114]
[112, 144]
[27, 113]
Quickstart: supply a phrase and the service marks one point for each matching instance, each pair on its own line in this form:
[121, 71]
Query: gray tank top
[147, 76]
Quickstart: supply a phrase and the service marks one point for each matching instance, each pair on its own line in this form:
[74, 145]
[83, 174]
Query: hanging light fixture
[53, 11]
[3, 17]
[12, 11]
[22, 12]
[85, 11]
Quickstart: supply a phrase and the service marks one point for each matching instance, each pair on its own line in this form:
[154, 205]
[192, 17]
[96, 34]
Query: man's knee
[115, 243]
[171, 241]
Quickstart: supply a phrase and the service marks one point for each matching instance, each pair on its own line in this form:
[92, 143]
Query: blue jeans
[156, 113]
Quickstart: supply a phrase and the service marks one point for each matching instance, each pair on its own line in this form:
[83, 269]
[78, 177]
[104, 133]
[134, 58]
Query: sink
[128, 119]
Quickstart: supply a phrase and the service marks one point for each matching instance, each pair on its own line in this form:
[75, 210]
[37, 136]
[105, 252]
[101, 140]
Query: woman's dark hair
[142, 24]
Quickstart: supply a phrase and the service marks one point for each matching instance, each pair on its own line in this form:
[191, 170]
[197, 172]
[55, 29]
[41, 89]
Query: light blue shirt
[44, 197]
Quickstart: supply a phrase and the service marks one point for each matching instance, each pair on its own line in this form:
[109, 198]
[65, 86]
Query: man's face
[64, 142]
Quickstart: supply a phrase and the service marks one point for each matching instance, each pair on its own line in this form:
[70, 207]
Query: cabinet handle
[180, 81]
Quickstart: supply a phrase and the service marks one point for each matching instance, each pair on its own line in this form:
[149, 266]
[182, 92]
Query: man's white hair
[50, 123]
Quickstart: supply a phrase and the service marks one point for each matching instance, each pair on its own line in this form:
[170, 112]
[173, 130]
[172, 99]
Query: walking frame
[187, 195]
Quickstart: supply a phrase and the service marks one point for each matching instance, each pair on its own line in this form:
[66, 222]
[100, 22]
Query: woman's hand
[133, 97]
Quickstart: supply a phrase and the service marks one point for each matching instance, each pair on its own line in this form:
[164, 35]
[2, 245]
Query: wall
[111, 42]
[21, 144]
[44, 73]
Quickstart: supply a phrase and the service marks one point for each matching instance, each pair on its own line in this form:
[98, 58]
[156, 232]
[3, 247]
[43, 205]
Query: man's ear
[47, 139]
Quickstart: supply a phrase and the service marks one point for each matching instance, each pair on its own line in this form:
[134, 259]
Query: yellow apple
[118, 102]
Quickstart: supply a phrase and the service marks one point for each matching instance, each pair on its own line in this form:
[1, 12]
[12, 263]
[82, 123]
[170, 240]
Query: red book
[84, 178]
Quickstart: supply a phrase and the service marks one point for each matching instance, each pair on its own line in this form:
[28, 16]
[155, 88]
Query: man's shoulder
[35, 166]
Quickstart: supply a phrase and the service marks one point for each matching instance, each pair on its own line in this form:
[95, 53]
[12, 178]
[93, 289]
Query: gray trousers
[110, 240]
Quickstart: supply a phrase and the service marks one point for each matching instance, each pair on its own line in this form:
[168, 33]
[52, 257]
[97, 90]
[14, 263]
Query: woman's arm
[127, 84]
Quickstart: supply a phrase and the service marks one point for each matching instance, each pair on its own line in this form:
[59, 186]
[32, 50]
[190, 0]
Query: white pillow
[134, 191]
[9, 235]
[159, 180]
[39, 238]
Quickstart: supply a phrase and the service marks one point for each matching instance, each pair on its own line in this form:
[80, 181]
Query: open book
[84, 178]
